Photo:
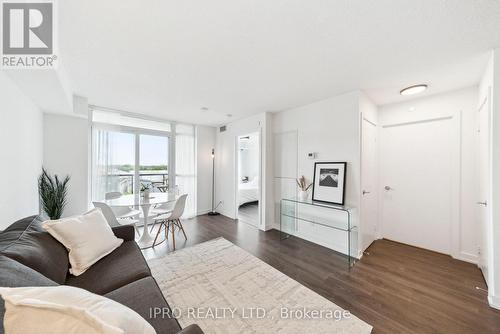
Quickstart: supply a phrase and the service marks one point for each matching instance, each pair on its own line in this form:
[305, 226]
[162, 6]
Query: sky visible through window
[153, 150]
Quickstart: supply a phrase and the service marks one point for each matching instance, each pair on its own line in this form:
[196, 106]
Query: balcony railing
[157, 182]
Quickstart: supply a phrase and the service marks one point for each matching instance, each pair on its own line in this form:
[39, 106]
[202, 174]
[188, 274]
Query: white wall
[21, 128]
[205, 141]
[331, 129]
[463, 105]
[65, 144]
[226, 173]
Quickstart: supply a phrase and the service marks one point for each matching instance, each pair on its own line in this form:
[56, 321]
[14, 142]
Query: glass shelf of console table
[325, 224]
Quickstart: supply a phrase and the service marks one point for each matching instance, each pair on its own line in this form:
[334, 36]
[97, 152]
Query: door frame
[483, 262]
[377, 232]
[455, 210]
[236, 174]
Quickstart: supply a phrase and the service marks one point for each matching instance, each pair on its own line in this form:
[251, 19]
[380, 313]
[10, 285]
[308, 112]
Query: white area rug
[224, 289]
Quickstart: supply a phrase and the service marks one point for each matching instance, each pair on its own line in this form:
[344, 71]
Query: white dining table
[146, 240]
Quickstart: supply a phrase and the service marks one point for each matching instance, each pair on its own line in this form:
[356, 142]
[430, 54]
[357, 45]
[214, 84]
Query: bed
[248, 192]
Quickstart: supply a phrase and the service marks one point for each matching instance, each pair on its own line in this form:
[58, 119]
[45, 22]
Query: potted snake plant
[53, 194]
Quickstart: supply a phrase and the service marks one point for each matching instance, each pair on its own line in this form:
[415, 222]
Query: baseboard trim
[225, 214]
[494, 302]
[360, 255]
[203, 212]
[468, 257]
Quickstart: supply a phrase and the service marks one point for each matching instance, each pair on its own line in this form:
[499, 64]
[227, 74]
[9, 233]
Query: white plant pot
[303, 195]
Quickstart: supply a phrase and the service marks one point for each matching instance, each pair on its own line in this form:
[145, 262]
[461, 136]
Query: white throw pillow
[65, 309]
[88, 238]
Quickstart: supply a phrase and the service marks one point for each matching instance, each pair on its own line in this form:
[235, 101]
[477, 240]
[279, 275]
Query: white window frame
[136, 132]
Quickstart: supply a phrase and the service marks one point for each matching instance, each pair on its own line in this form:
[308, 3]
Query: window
[131, 153]
[153, 162]
[113, 163]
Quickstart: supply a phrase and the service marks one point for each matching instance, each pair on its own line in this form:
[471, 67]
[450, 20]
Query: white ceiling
[170, 58]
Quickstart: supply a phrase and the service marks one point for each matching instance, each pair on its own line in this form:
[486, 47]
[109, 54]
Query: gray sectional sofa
[29, 256]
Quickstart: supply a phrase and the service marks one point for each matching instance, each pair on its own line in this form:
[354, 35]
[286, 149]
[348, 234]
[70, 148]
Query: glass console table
[322, 223]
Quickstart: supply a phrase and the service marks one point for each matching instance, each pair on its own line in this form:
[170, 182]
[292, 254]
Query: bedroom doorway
[248, 179]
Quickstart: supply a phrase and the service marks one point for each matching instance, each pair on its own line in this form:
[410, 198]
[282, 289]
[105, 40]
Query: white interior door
[416, 180]
[369, 177]
[483, 160]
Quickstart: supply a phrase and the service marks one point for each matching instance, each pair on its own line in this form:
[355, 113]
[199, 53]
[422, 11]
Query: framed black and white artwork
[329, 182]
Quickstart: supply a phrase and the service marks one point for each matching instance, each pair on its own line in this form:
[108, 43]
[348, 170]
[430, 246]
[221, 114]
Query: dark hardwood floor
[396, 288]
[249, 214]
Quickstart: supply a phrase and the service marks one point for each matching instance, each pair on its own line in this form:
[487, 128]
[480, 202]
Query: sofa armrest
[125, 232]
[191, 329]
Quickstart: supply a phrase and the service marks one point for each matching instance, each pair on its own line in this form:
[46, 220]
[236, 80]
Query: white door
[484, 189]
[416, 183]
[369, 176]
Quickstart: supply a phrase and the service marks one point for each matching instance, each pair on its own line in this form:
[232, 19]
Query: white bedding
[248, 192]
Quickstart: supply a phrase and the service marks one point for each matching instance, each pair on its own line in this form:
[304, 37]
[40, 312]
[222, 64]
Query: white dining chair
[120, 212]
[159, 210]
[113, 220]
[172, 220]
[163, 208]
[124, 212]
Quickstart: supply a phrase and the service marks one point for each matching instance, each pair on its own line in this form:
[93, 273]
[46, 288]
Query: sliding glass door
[129, 161]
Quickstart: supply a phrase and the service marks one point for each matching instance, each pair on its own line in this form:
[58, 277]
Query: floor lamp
[213, 213]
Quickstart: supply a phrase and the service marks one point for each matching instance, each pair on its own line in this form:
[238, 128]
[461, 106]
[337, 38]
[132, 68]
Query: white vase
[146, 193]
[303, 195]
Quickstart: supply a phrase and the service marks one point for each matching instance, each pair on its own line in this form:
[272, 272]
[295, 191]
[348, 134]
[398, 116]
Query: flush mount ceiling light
[413, 90]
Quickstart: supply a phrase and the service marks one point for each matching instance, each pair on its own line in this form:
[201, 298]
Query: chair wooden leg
[167, 228]
[137, 231]
[173, 235]
[157, 233]
[153, 226]
[182, 228]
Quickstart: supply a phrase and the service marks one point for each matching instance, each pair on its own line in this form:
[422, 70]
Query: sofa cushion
[144, 296]
[66, 309]
[33, 223]
[122, 266]
[26, 242]
[14, 274]
[87, 237]
[125, 232]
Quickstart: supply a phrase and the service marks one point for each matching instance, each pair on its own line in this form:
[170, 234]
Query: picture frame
[329, 182]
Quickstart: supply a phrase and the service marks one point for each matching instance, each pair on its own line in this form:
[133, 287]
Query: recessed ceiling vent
[222, 128]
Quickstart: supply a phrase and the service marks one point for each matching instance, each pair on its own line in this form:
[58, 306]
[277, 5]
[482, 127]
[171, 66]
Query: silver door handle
[365, 192]
[387, 188]
[483, 203]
